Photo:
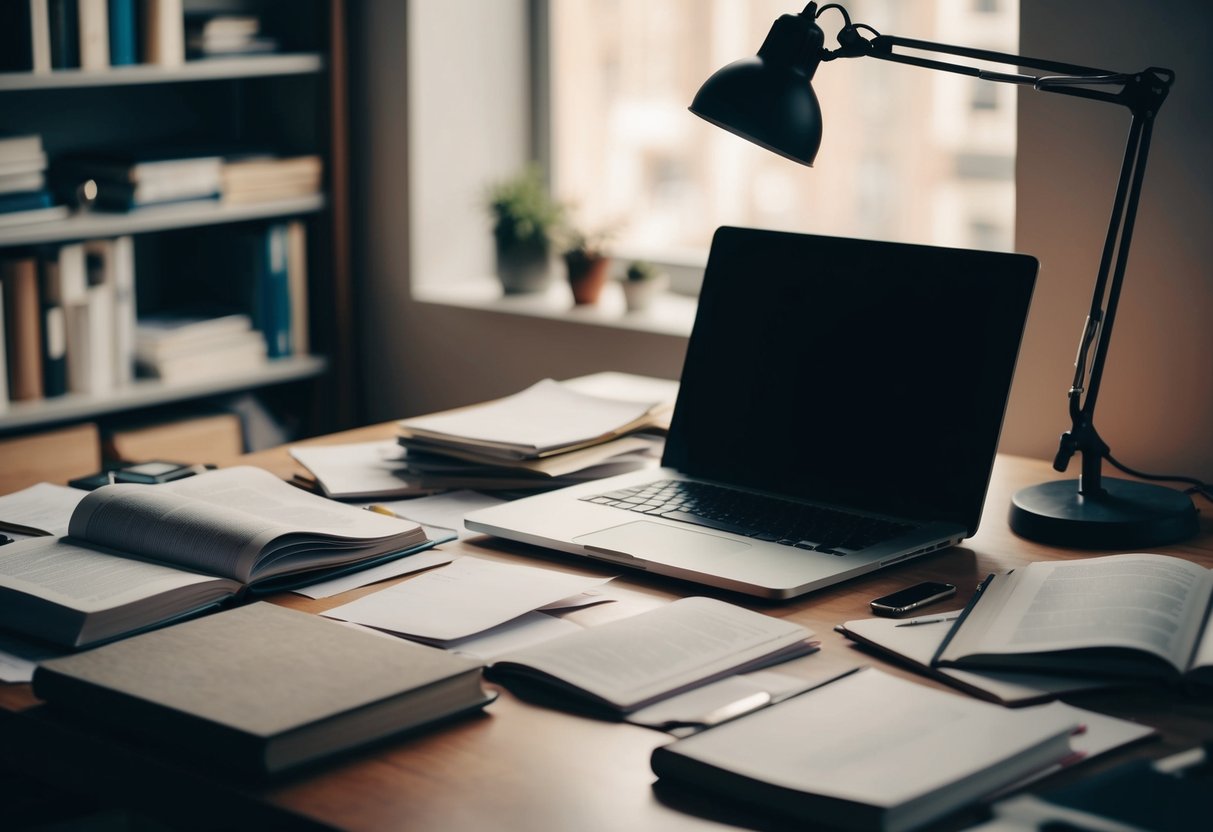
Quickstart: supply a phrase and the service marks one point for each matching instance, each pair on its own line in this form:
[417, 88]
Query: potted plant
[642, 281]
[586, 262]
[524, 219]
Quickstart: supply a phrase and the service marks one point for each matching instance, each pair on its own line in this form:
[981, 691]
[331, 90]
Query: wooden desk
[523, 767]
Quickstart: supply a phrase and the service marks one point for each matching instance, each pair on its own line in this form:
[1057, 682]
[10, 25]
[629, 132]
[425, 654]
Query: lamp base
[1128, 515]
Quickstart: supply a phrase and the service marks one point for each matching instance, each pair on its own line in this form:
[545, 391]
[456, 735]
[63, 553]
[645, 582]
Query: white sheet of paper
[356, 468]
[43, 506]
[578, 601]
[524, 631]
[382, 572]
[19, 657]
[469, 596]
[444, 510]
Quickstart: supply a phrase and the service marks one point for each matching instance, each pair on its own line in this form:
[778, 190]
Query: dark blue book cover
[272, 314]
[16, 39]
[123, 37]
[54, 326]
[65, 34]
[25, 201]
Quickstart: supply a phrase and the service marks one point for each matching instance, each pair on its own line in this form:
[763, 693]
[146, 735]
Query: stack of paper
[551, 434]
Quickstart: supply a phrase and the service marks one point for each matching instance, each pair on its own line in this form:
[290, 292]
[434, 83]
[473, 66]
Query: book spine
[90, 334]
[164, 32]
[24, 327]
[297, 279]
[54, 330]
[123, 40]
[25, 201]
[40, 35]
[94, 34]
[4, 393]
[274, 292]
[122, 274]
[16, 41]
[65, 34]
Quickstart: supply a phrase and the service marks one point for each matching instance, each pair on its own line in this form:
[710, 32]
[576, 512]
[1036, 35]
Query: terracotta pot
[587, 275]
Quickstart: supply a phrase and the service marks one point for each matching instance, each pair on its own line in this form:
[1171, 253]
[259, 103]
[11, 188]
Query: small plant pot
[587, 276]
[523, 267]
[638, 295]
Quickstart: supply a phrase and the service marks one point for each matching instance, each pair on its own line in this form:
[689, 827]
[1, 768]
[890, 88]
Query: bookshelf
[291, 101]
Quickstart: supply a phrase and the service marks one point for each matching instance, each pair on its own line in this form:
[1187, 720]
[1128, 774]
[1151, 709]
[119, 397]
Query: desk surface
[521, 766]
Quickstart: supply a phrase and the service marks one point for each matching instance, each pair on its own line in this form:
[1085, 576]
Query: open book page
[545, 416]
[86, 578]
[635, 661]
[227, 522]
[43, 508]
[1152, 603]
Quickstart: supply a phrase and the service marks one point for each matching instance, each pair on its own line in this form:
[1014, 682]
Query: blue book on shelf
[123, 37]
[16, 39]
[25, 201]
[64, 18]
[273, 299]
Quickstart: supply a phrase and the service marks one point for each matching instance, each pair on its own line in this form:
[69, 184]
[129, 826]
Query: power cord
[1204, 489]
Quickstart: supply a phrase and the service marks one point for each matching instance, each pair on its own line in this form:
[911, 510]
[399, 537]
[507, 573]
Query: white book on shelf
[121, 264]
[33, 180]
[164, 32]
[91, 333]
[22, 153]
[94, 34]
[40, 35]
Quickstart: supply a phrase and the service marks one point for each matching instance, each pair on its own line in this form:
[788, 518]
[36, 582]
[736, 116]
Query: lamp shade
[768, 99]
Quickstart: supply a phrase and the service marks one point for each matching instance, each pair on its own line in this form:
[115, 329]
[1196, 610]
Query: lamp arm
[1142, 93]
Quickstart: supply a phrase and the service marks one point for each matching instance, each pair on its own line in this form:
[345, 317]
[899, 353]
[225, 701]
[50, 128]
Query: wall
[1157, 402]
[1156, 405]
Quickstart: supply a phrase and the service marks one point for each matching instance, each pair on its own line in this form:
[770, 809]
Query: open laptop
[849, 386]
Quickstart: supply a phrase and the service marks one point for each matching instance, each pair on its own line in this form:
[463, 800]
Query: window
[897, 157]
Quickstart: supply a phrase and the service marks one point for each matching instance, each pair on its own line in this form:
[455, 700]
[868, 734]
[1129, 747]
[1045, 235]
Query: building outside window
[908, 154]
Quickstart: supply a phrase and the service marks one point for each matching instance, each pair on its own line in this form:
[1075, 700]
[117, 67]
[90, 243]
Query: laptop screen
[867, 374]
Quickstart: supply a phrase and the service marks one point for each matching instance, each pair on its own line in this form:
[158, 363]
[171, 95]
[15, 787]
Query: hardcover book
[262, 689]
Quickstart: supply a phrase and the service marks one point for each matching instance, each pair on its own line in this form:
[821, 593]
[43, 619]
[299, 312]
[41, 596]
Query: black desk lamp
[768, 100]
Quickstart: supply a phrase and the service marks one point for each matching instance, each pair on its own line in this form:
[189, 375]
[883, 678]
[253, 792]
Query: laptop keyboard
[764, 518]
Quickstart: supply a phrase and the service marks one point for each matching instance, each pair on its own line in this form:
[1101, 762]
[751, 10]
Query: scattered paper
[524, 631]
[467, 597]
[443, 510]
[365, 577]
[578, 601]
[359, 470]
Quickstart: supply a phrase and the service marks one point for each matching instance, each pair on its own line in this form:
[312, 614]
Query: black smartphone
[913, 597]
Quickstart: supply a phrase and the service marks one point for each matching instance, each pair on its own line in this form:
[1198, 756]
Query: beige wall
[1156, 407]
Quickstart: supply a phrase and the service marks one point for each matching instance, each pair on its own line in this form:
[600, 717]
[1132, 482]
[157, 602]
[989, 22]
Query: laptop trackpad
[663, 544]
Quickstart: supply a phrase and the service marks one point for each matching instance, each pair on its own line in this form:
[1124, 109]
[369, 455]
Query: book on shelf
[135, 178]
[22, 182]
[210, 35]
[1137, 616]
[23, 326]
[112, 263]
[25, 39]
[64, 23]
[137, 556]
[686, 644]
[265, 178]
[54, 321]
[123, 41]
[21, 153]
[914, 642]
[869, 751]
[94, 34]
[297, 287]
[262, 689]
[272, 289]
[546, 418]
[163, 32]
[4, 394]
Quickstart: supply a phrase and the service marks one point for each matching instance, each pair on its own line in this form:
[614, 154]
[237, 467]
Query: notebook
[824, 376]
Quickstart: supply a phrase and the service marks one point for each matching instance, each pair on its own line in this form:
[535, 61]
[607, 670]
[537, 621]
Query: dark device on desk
[912, 598]
[839, 411]
[148, 473]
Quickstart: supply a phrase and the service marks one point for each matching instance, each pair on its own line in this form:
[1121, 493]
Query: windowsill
[670, 314]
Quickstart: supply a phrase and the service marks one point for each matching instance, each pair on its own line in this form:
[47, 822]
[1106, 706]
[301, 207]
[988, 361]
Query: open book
[1137, 615]
[616, 668]
[141, 555]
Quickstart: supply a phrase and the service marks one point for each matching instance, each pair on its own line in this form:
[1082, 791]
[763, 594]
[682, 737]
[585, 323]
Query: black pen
[918, 622]
[960, 619]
